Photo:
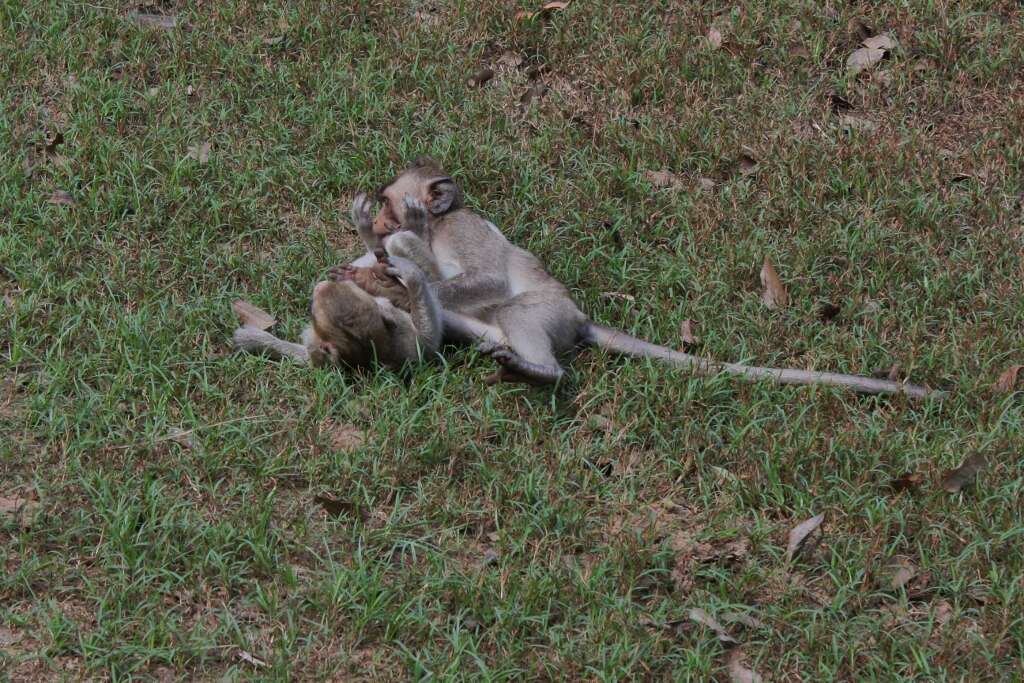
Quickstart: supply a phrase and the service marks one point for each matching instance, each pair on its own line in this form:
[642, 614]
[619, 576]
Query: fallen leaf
[686, 332]
[738, 672]
[180, 436]
[534, 92]
[701, 617]
[747, 163]
[249, 659]
[799, 534]
[22, 510]
[61, 198]
[598, 423]
[957, 479]
[942, 612]
[545, 10]
[273, 40]
[858, 123]
[906, 482]
[490, 557]
[706, 184]
[775, 295]
[343, 437]
[252, 316]
[613, 296]
[334, 507]
[166, 22]
[663, 179]
[871, 54]
[859, 29]
[839, 104]
[510, 59]
[200, 153]
[828, 311]
[714, 38]
[481, 77]
[742, 618]
[882, 41]
[900, 573]
[1007, 381]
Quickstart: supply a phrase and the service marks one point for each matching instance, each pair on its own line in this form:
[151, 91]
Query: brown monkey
[384, 313]
[499, 294]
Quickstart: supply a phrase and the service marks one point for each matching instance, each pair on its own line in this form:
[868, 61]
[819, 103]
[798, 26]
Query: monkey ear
[424, 162]
[445, 196]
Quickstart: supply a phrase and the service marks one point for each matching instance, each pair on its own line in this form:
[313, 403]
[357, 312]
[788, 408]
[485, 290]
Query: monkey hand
[414, 216]
[406, 272]
[361, 212]
[340, 273]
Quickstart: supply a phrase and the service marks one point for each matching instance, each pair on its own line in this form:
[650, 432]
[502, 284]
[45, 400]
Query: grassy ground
[319, 525]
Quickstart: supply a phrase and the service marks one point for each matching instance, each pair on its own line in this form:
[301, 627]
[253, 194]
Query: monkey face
[347, 325]
[423, 180]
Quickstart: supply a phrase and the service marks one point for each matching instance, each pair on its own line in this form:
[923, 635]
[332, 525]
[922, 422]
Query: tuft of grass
[501, 533]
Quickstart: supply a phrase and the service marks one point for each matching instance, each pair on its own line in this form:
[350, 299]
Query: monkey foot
[340, 273]
[515, 369]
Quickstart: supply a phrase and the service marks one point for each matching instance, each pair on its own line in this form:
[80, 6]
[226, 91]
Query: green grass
[505, 532]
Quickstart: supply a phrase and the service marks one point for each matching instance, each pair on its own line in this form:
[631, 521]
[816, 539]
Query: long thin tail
[620, 342]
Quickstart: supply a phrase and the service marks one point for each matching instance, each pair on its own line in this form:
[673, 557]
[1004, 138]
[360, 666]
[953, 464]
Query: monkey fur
[500, 295]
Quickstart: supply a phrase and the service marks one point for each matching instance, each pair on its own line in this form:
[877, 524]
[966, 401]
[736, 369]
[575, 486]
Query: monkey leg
[515, 368]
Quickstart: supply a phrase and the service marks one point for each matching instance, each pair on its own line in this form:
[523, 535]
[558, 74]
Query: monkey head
[349, 325]
[423, 179]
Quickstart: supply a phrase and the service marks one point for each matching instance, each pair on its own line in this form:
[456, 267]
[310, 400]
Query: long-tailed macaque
[385, 313]
[500, 295]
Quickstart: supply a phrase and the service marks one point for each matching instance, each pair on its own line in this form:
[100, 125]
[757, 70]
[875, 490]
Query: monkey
[500, 295]
[384, 313]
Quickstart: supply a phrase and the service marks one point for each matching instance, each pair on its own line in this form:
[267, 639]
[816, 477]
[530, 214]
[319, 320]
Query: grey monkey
[500, 295]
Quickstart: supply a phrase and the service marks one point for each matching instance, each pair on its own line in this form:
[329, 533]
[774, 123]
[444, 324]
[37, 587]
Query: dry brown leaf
[1007, 381]
[882, 41]
[957, 479]
[747, 620]
[898, 573]
[343, 437]
[481, 77]
[22, 510]
[686, 332]
[335, 507]
[166, 22]
[704, 619]
[61, 198]
[738, 672]
[252, 316]
[858, 123]
[618, 296]
[747, 163]
[714, 38]
[706, 184]
[871, 54]
[545, 10]
[663, 179]
[200, 153]
[775, 295]
[799, 534]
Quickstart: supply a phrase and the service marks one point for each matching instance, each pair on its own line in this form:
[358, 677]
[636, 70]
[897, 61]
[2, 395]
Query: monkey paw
[414, 216]
[405, 271]
[499, 352]
[340, 273]
[361, 212]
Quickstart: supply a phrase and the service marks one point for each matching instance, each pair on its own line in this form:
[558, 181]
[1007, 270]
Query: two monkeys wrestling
[437, 270]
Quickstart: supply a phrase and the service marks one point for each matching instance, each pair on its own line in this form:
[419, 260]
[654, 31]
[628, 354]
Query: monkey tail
[620, 342]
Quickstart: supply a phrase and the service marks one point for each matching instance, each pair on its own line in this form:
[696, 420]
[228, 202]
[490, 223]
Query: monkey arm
[408, 246]
[465, 291]
[423, 307]
[254, 340]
